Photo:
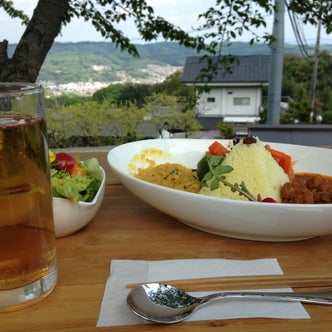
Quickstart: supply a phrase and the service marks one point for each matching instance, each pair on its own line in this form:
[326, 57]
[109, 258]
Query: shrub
[226, 129]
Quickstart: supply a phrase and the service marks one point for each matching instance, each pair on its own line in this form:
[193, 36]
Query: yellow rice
[255, 166]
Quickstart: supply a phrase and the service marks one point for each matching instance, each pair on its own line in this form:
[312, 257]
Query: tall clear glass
[28, 271]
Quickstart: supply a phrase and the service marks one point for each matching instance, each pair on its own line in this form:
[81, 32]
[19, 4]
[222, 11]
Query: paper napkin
[114, 310]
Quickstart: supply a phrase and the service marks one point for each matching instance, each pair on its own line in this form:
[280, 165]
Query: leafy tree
[166, 109]
[226, 130]
[127, 121]
[135, 93]
[160, 107]
[225, 20]
[186, 121]
[173, 86]
[327, 117]
[298, 112]
[124, 93]
[324, 82]
[297, 85]
[86, 120]
[111, 93]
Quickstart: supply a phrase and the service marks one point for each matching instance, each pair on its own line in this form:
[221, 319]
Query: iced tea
[27, 240]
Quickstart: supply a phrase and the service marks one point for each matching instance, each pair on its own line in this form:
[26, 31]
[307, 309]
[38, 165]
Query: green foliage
[229, 19]
[124, 93]
[173, 86]
[111, 93]
[9, 8]
[86, 120]
[297, 84]
[298, 112]
[126, 121]
[133, 92]
[164, 108]
[186, 121]
[93, 123]
[327, 117]
[226, 129]
[311, 10]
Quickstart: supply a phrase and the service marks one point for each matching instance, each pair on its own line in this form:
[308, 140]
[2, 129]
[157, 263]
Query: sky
[182, 13]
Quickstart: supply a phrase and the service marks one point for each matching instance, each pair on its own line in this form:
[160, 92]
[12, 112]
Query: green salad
[74, 179]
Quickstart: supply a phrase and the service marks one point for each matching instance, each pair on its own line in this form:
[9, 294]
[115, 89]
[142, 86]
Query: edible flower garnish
[51, 156]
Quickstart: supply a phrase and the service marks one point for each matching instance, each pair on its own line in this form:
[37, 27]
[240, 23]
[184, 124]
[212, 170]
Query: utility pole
[277, 63]
[314, 74]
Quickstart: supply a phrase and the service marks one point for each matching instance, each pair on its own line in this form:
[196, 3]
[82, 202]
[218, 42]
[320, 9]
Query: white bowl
[69, 217]
[227, 217]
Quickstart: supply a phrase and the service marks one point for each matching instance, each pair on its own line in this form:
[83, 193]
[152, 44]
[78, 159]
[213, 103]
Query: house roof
[251, 68]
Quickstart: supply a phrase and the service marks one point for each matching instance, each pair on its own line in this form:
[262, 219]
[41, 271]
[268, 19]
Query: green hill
[73, 62]
[103, 62]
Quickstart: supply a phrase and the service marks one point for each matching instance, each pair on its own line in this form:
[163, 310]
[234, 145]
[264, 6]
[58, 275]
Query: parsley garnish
[210, 168]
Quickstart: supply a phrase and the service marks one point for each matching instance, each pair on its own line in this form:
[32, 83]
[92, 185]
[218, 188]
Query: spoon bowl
[161, 303]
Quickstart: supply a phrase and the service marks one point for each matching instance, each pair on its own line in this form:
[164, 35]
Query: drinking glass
[28, 270]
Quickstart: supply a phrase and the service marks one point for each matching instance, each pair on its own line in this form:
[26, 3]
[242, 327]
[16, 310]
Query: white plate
[226, 217]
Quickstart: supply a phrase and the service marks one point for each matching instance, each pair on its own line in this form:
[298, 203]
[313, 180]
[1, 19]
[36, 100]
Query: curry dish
[171, 175]
[305, 188]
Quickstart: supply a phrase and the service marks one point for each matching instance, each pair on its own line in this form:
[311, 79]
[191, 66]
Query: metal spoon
[166, 304]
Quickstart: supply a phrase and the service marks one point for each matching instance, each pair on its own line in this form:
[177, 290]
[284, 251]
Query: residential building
[234, 95]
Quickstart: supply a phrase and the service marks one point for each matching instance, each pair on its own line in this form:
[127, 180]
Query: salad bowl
[258, 221]
[69, 216]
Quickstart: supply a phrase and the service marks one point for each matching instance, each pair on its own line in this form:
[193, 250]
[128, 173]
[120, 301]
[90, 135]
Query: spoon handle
[319, 297]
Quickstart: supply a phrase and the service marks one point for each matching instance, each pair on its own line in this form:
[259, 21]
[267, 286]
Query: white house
[234, 96]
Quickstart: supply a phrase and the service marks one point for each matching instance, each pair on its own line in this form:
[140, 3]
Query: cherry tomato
[269, 200]
[65, 161]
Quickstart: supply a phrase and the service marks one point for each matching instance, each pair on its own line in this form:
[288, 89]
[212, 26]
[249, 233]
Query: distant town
[154, 74]
[83, 68]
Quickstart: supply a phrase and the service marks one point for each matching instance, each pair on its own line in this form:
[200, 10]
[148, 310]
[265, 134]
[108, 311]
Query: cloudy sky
[182, 13]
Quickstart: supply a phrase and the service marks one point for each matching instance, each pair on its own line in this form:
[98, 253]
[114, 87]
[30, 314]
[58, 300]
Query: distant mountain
[103, 62]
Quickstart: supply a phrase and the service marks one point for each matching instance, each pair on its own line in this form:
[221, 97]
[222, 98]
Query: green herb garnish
[210, 168]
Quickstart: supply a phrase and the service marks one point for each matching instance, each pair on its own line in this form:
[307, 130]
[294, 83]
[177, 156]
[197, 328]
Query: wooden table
[127, 228]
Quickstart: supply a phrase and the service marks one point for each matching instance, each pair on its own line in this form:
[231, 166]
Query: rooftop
[251, 68]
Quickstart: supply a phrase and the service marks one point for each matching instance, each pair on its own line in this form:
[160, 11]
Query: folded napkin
[114, 310]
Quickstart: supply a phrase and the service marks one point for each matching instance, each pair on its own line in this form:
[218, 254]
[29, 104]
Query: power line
[299, 33]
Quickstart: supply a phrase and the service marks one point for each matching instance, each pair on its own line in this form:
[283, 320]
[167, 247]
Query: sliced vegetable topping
[283, 159]
[217, 149]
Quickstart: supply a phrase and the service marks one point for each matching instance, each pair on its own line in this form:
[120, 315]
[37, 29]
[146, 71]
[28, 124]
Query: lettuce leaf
[78, 188]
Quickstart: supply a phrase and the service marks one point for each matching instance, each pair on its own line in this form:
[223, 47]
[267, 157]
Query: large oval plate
[227, 217]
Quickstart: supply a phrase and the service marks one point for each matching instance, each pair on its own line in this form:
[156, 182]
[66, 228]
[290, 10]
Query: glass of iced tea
[28, 271]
